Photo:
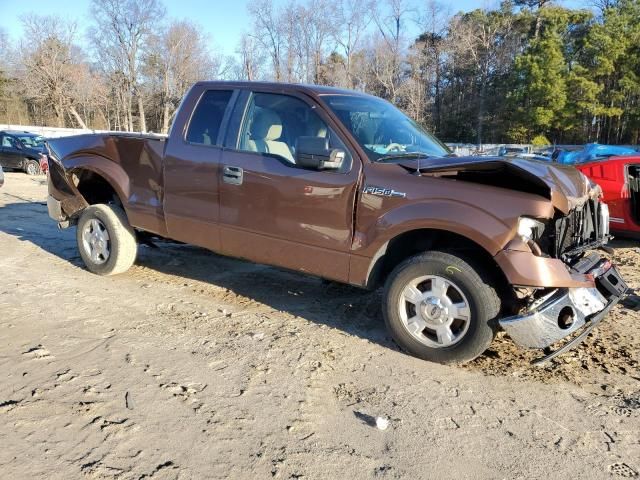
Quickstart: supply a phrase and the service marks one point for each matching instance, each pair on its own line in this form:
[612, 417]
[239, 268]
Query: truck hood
[565, 186]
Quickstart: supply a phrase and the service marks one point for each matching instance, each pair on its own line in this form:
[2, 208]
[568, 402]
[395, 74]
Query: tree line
[528, 71]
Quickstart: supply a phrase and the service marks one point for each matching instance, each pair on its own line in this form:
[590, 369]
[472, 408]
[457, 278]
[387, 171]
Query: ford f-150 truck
[344, 186]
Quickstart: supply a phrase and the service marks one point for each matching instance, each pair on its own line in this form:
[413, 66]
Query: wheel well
[414, 242]
[95, 189]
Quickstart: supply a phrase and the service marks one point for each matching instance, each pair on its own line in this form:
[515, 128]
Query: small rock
[382, 423]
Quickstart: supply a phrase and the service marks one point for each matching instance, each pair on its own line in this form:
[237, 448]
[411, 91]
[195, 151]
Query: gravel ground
[193, 365]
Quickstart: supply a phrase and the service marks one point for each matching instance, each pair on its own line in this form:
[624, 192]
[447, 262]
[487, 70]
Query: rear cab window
[205, 123]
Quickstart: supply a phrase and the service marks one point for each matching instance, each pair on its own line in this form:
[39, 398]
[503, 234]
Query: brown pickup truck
[344, 186]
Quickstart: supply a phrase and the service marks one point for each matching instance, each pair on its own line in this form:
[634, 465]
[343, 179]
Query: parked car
[344, 186]
[619, 178]
[21, 151]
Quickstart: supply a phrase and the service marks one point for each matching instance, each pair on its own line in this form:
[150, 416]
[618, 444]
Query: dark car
[21, 151]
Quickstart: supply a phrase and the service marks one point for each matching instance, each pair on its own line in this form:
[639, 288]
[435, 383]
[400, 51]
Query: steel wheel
[95, 241]
[434, 311]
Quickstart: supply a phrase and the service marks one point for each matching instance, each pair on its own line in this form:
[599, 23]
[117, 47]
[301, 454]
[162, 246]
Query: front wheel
[440, 308]
[32, 167]
[106, 241]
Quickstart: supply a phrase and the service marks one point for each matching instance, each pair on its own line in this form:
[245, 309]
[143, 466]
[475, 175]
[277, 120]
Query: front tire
[106, 241]
[32, 167]
[439, 307]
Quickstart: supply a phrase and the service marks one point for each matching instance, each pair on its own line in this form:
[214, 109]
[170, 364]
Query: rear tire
[106, 241]
[32, 167]
[440, 308]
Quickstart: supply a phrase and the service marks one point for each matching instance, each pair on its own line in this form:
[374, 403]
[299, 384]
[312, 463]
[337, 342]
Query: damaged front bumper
[567, 311]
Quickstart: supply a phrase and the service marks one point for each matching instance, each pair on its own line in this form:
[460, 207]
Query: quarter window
[207, 117]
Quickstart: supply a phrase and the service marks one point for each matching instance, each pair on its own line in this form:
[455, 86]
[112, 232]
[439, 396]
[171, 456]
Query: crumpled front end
[572, 288]
[559, 313]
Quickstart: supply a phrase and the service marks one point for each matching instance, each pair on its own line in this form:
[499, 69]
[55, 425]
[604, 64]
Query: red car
[619, 178]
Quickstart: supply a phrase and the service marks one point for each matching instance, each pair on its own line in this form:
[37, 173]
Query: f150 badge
[383, 192]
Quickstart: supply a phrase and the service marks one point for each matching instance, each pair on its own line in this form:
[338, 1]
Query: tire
[120, 240]
[32, 167]
[436, 326]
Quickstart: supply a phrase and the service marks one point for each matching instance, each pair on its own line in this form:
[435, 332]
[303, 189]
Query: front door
[274, 212]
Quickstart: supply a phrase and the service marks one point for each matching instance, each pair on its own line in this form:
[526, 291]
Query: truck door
[192, 165]
[273, 211]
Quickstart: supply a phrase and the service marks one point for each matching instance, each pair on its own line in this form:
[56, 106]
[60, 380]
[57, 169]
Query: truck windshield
[383, 131]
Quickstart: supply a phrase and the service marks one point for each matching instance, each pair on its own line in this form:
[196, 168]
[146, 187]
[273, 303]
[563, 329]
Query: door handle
[232, 175]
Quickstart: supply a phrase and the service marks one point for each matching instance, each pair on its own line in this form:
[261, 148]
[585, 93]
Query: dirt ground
[194, 365]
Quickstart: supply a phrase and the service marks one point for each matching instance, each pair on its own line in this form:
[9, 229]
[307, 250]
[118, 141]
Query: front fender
[478, 225]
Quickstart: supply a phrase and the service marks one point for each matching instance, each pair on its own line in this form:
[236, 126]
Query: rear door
[192, 167]
[273, 211]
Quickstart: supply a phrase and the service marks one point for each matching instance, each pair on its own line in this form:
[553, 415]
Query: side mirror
[314, 152]
[19, 145]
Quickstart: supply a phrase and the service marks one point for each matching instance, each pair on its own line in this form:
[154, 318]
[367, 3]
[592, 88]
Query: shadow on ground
[355, 311]
[352, 310]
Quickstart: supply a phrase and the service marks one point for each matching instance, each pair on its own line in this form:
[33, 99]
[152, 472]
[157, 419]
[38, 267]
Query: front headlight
[530, 229]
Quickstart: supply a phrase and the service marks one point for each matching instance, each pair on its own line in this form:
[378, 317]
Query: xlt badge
[383, 192]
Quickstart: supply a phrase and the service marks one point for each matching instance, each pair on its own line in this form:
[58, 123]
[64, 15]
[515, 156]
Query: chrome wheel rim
[434, 311]
[95, 241]
[31, 168]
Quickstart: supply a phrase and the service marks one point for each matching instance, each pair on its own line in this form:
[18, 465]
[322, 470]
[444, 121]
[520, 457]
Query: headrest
[317, 128]
[266, 125]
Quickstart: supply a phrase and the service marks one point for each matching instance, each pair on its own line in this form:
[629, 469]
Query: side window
[7, 141]
[207, 117]
[274, 123]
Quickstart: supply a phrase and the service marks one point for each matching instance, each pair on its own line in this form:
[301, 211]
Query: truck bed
[135, 169]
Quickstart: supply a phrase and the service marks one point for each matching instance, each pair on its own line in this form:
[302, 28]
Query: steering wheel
[395, 147]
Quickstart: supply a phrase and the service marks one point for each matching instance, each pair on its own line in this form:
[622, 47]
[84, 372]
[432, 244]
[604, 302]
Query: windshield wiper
[402, 155]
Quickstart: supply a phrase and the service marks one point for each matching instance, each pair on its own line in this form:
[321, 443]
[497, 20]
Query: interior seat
[266, 130]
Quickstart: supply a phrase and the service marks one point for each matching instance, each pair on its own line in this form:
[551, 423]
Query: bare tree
[175, 59]
[250, 58]
[54, 71]
[388, 49]
[269, 33]
[352, 19]
[479, 38]
[122, 29]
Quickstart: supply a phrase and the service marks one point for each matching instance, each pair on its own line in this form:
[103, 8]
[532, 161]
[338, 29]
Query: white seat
[266, 129]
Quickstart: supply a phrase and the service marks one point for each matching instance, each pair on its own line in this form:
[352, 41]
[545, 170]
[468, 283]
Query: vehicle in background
[344, 186]
[591, 151]
[21, 151]
[30, 140]
[619, 178]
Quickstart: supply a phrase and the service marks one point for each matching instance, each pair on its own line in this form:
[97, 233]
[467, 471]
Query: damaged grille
[584, 228]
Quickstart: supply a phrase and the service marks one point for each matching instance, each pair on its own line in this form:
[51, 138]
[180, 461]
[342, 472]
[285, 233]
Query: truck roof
[300, 87]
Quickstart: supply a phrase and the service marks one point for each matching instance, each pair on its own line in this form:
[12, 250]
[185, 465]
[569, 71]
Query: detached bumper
[566, 311]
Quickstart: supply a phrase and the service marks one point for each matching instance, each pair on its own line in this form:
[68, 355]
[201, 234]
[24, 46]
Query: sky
[224, 21]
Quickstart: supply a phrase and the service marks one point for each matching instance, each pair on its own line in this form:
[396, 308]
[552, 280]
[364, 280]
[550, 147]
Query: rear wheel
[106, 241]
[439, 307]
[32, 167]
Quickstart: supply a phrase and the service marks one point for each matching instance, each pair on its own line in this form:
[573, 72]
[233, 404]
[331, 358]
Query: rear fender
[62, 185]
